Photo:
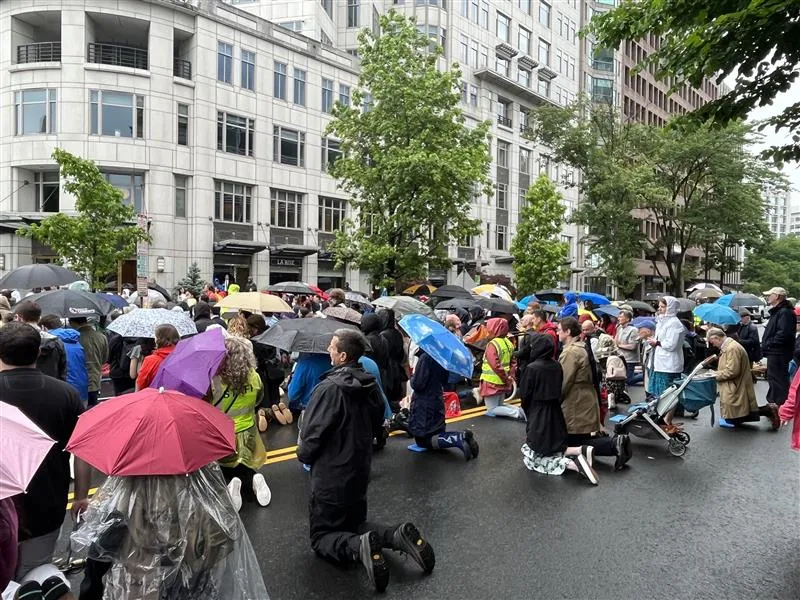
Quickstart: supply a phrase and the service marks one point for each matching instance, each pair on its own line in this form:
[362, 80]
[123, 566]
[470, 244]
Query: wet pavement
[721, 522]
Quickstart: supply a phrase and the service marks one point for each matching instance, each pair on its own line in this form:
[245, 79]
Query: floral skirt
[547, 465]
[660, 381]
[250, 450]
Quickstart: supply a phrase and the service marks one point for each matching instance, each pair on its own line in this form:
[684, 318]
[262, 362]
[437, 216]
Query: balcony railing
[119, 56]
[39, 52]
[504, 121]
[182, 68]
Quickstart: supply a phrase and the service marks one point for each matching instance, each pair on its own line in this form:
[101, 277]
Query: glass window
[524, 6]
[502, 237]
[602, 90]
[463, 49]
[183, 124]
[473, 95]
[286, 209]
[300, 87]
[331, 214]
[225, 62]
[544, 13]
[132, 187]
[235, 134]
[463, 8]
[35, 112]
[524, 160]
[484, 62]
[331, 152]
[116, 113]
[366, 102]
[289, 146]
[327, 6]
[473, 53]
[279, 81]
[524, 40]
[524, 77]
[344, 94]
[181, 190]
[353, 10]
[502, 195]
[484, 21]
[327, 95]
[544, 164]
[503, 150]
[503, 66]
[233, 202]
[544, 87]
[248, 69]
[47, 191]
[544, 53]
[473, 10]
[503, 27]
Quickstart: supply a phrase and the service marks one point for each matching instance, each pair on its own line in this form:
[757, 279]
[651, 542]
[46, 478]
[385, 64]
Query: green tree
[759, 40]
[409, 163]
[103, 231]
[776, 263]
[193, 281]
[539, 254]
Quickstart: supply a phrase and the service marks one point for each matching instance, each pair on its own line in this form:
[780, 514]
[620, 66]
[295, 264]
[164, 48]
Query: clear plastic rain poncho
[170, 537]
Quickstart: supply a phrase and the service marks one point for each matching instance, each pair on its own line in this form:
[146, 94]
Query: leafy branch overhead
[409, 162]
[758, 40]
[102, 233]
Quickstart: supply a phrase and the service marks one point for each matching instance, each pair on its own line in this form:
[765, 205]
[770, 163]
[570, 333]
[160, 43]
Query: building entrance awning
[292, 250]
[239, 246]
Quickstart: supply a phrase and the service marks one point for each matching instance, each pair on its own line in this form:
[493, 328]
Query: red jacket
[150, 366]
[549, 328]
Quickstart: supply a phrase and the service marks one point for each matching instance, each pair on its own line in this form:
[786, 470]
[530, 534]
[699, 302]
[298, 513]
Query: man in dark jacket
[777, 345]
[748, 336]
[52, 354]
[342, 418]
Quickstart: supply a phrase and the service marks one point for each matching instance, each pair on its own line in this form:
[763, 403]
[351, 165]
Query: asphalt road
[721, 522]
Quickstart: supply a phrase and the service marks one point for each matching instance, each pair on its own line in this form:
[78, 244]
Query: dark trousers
[778, 378]
[93, 397]
[753, 417]
[633, 377]
[122, 385]
[336, 526]
[92, 587]
[603, 446]
[244, 473]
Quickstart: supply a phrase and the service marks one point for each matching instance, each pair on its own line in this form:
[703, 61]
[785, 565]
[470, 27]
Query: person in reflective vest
[497, 378]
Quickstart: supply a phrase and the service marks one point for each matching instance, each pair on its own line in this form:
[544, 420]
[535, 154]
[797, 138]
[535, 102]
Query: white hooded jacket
[670, 333]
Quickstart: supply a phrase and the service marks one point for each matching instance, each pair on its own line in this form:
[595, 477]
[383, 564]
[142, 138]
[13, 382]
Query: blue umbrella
[445, 348]
[648, 322]
[717, 314]
[117, 301]
[597, 299]
[608, 309]
[523, 304]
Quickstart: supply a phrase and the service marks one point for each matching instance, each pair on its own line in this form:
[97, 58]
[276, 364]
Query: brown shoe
[773, 416]
[262, 420]
[278, 414]
[287, 414]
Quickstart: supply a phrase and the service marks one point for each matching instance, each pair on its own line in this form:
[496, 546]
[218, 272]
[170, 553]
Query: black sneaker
[585, 469]
[469, 446]
[372, 558]
[408, 539]
[622, 445]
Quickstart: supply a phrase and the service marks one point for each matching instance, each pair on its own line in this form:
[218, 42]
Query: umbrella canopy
[356, 298]
[705, 293]
[685, 305]
[291, 287]
[69, 304]
[717, 314]
[190, 367]
[550, 308]
[597, 299]
[157, 288]
[493, 290]
[142, 323]
[79, 286]
[37, 276]
[23, 447]
[404, 305]
[638, 305]
[739, 300]
[152, 432]
[302, 335]
[254, 302]
[456, 303]
[152, 296]
[421, 289]
[451, 291]
[607, 309]
[705, 286]
[654, 296]
[117, 301]
[523, 304]
[497, 305]
[444, 347]
[318, 291]
[551, 295]
[342, 313]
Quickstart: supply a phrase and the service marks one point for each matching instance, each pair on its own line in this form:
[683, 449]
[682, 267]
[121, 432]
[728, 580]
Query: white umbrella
[152, 295]
[704, 286]
[142, 323]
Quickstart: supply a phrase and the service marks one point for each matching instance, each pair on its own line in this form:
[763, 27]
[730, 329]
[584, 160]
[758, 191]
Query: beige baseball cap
[776, 290]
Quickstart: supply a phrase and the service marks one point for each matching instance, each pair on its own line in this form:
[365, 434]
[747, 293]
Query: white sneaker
[261, 490]
[235, 492]
[611, 403]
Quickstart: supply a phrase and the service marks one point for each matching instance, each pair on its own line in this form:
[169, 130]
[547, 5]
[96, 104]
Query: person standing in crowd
[54, 406]
[667, 345]
[748, 336]
[590, 334]
[95, 347]
[336, 297]
[119, 364]
[570, 307]
[344, 415]
[250, 286]
[777, 345]
[627, 342]
[52, 359]
[526, 335]
[236, 391]
[202, 317]
[647, 329]
[167, 338]
[77, 372]
[497, 372]
[737, 394]
[371, 326]
[396, 374]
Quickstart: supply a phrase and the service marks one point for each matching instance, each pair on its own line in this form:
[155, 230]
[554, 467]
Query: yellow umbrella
[419, 290]
[583, 311]
[254, 302]
[492, 289]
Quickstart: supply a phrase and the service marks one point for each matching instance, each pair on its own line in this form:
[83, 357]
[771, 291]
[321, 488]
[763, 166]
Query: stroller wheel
[682, 437]
[676, 447]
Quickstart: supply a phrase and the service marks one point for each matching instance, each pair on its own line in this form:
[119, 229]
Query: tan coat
[737, 395]
[578, 396]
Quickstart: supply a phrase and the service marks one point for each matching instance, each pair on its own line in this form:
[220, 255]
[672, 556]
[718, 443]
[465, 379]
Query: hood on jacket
[4, 303]
[548, 326]
[541, 347]
[371, 323]
[388, 320]
[497, 327]
[67, 335]
[672, 306]
[202, 310]
[570, 298]
[352, 380]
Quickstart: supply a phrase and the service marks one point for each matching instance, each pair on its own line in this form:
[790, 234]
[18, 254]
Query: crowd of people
[569, 370]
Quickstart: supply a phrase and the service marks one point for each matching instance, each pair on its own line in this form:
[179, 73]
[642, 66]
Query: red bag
[452, 405]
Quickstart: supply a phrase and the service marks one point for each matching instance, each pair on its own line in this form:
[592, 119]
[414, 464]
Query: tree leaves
[101, 234]
[777, 263]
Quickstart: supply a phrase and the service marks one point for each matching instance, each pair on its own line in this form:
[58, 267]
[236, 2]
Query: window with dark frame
[331, 214]
[248, 69]
[181, 190]
[289, 146]
[235, 134]
[224, 62]
[331, 152]
[279, 80]
[232, 201]
[287, 208]
[117, 114]
[183, 124]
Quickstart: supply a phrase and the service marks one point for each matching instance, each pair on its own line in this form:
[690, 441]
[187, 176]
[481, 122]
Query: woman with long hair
[167, 338]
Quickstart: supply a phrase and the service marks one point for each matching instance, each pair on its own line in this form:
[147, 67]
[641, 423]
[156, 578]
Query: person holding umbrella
[95, 347]
[167, 338]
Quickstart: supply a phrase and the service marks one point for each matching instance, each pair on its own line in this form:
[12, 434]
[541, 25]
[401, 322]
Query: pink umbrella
[23, 447]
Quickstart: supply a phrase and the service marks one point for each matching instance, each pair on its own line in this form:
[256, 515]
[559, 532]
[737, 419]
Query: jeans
[633, 377]
[496, 408]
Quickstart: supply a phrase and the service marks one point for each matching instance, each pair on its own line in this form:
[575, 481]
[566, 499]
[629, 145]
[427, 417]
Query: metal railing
[39, 52]
[119, 56]
[182, 68]
[504, 121]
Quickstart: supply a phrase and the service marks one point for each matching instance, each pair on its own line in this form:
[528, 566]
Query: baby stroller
[643, 419]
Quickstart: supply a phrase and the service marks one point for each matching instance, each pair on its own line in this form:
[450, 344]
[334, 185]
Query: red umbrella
[152, 432]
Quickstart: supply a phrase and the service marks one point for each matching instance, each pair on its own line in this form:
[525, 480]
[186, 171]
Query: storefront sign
[285, 262]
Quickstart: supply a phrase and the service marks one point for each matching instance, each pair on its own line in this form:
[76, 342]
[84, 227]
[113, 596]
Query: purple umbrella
[192, 364]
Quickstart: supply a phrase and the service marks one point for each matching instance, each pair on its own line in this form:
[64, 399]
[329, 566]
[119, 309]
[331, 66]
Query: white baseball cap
[776, 290]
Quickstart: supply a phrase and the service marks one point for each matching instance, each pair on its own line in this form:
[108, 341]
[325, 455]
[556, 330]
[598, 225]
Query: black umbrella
[497, 305]
[311, 335]
[451, 291]
[37, 276]
[638, 305]
[69, 304]
[550, 308]
[160, 290]
[654, 296]
[686, 305]
[550, 295]
[291, 287]
[456, 303]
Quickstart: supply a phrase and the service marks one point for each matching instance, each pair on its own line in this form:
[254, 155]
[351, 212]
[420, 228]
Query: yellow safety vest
[505, 349]
[241, 407]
